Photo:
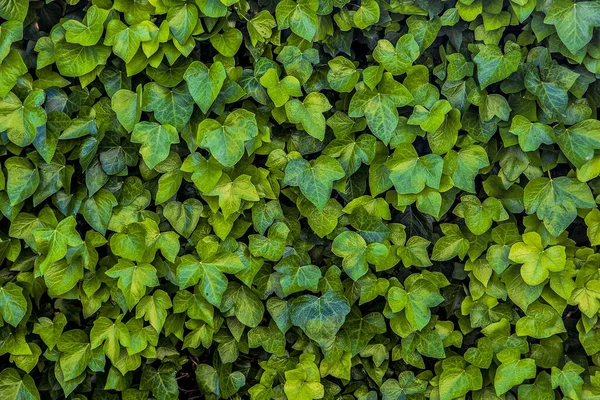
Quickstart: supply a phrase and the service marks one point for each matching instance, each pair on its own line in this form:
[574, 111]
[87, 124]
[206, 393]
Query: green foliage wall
[299, 199]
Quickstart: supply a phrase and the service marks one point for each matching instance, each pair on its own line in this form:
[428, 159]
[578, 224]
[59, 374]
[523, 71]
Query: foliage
[299, 199]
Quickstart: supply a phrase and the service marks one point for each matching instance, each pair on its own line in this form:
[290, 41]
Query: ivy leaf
[555, 201]
[184, 217]
[319, 317]
[88, 32]
[300, 16]
[231, 193]
[399, 59]
[19, 119]
[494, 66]
[50, 330]
[579, 141]
[367, 14]
[171, 106]
[97, 209]
[457, 379]
[128, 107]
[411, 173]
[54, 241]
[452, 244]
[210, 271]
[342, 74]
[226, 141]
[542, 321]
[309, 113]
[356, 253]
[315, 178]
[156, 141]
[76, 353]
[296, 277]
[133, 279]
[574, 22]
[205, 84]
[13, 305]
[154, 309]
[480, 216]
[182, 20]
[464, 165]
[304, 382]
[278, 90]
[298, 63]
[537, 262]
[126, 40]
[10, 32]
[531, 134]
[261, 27]
[568, 379]
[271, 247]
[23, 179]
[380, 107]
[162, 382]
[13, 386]
[513, 373]
[416, 300]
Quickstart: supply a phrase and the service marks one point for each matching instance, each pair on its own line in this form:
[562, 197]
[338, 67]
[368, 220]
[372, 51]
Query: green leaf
[380, 107]
[296, 277]
[97, 210]
[156, 141]
[542, 321]
[182, 21]
[397, 60]
[411, 173]
[319, 317]
[342, 74]
[513, 373]
[309, 113]
[171, 106]
[480, 216]
[574, 22]
[162, 382]
[531, 134]
[568, 379]
[228, 43]
[184, 216]
[154, 309]
[231, 194]
[494, 66]
[555, 201]
[133, 279]
[367, 14]
[415, 300]
[13, 305]
[315, 178]
[300, 17]
[53, 242]
[261, 27]
[76, 353]
[128, 107]
[205, 84]
[537, 262]
[457, 379]
[304, 381]
[13, 9]
[23, 179]
[19, 119]
[13, 386]
[89, 31]
[464, 165]
[579, 141]
[226, 141]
